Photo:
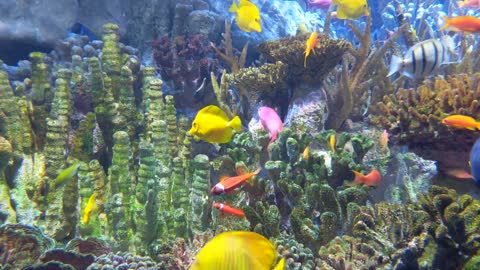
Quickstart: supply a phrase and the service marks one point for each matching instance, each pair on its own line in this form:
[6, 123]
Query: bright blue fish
[475, 161]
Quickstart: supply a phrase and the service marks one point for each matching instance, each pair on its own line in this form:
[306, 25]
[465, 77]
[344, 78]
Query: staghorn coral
[413, 117]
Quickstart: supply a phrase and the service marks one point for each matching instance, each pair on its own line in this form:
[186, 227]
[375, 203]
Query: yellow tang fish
[90, 207]
[212, 125]
[237, 250]
[351, 9]
[247, 15]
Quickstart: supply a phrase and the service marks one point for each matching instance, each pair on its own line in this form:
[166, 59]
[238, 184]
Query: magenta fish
[312, 4]
[271, 122]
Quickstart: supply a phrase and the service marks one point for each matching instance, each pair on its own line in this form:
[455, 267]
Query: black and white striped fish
[422, 58]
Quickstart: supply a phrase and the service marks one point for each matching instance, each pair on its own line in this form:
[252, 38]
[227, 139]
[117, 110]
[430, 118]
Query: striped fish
[422, 58]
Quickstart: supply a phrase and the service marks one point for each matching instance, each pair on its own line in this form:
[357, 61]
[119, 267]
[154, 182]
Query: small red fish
[229, 210]
[228, 184]
[370, 180]
[459, 174]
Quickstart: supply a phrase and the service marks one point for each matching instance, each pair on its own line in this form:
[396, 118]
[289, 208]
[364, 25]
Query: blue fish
[82, 30]
[475, 161]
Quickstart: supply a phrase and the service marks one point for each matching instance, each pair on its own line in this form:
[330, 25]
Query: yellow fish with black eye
[212, 125]
[238, 250]
[351, 9]
[66, 175]
[90, 207]
[247, 15]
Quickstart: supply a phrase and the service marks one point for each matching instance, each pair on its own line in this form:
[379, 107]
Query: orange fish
[311, 43]
[306, 153]
[228, 184]
[384, 139]
[229, 210]
[370, 180]
[461, 121]
[459, 174]
[467, 24]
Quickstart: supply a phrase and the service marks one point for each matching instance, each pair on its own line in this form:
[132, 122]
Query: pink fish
[312, 4]
[271, 122]
[468, 4]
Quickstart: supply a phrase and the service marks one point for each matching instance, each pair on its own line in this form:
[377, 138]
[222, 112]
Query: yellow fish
[89, 209]
[332, 143]
[247, 15]
[310, 45]
[212, 125]
[65, 175]
[237, 250]
[351, 9]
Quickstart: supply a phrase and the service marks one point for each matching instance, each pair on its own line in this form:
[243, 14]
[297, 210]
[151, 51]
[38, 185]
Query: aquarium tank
[239, 134]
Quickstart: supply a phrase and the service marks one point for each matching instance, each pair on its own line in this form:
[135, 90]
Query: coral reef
[413, 117]
[290, 52]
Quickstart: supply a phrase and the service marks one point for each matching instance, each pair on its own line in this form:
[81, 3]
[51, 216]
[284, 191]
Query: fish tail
[280, 265]
[395, 65]
[233, 8]
[236, 124]
[358, 177]
[446, 24]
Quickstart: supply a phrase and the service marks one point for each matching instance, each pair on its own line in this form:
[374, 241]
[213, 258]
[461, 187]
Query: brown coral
[290, 51]
[414, 117]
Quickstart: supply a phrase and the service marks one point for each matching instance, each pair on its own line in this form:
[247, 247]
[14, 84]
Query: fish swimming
[238, 250]
[229, 210]
[384, 139]
[247, 15]
[228, 184]
[370, 180]
[475, 161]
[271, 122]
[332, 142]
[351, 9]
[467, 24]
[461, 122]
[90, 207]
[469, 4]
[66, 175]
[310, 45]
[311, 4]
[422, 58]
[212, 125]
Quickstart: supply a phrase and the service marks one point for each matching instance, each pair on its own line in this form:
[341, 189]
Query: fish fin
[257, 244]
[236, 124]
[212, 109]
[446, 24]
[233, 8]
[341, 14]
[280, 265]
[448, 42]
[358, 177]
[223, 178]
[408, 74]
[395, 65]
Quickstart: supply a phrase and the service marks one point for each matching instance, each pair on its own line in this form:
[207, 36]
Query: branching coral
[413, 117]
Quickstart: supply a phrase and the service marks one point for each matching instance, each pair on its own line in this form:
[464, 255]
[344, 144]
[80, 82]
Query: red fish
[228, 184]
[370, 180]
[384, 139]
[461, 121]
[229, 210]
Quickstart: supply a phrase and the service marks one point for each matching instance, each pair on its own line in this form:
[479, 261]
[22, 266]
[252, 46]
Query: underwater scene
[239, 134]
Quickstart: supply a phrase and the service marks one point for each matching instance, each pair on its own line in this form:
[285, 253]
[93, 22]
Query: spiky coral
[413, 117]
